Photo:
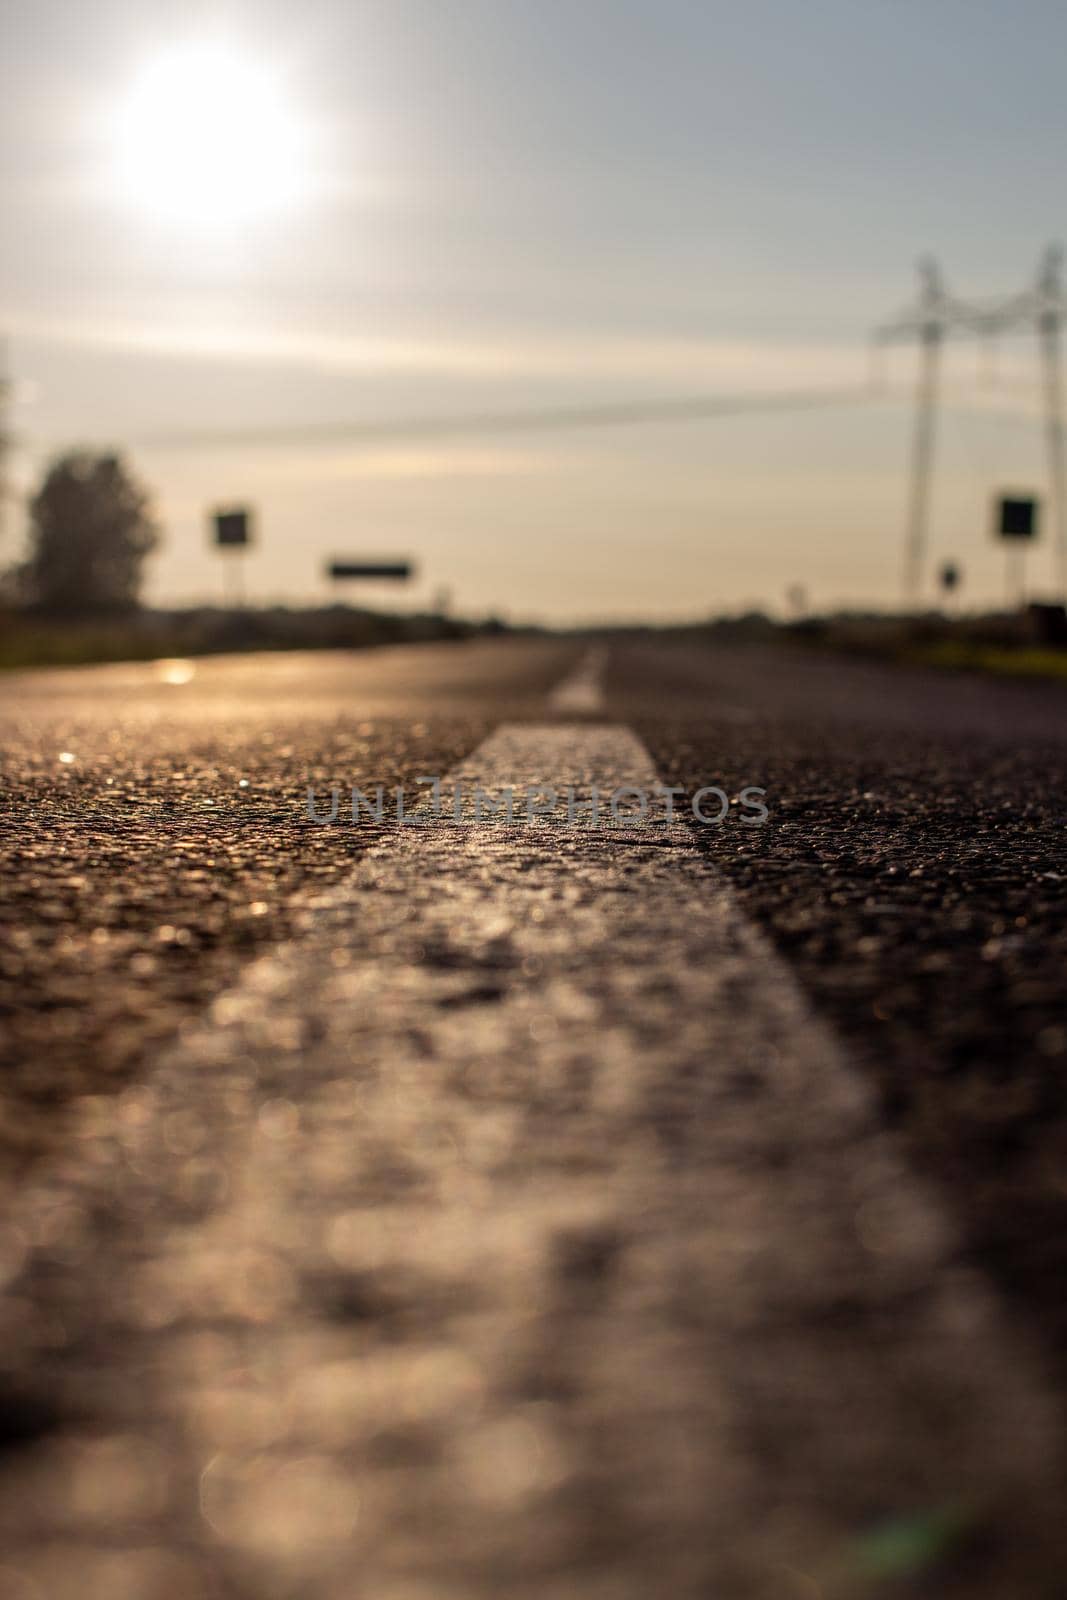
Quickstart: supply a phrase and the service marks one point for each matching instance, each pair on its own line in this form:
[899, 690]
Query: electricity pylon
[5, 437]
[1050, 318]
[1044, 307]
[937, 314]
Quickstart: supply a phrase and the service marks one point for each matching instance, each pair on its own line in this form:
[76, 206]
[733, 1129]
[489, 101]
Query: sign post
[1017, 525]
[950, 578]
[232, 529]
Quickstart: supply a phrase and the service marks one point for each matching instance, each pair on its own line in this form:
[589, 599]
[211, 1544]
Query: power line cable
[549, 419]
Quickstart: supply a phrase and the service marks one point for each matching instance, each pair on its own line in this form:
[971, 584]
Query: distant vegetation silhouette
[92, 526]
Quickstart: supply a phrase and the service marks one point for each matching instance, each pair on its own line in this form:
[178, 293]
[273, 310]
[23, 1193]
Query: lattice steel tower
[935, 315]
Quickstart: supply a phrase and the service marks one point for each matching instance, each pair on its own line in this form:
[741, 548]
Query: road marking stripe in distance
[582, 691]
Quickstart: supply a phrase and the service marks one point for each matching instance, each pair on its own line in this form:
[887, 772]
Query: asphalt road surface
[465, 1207]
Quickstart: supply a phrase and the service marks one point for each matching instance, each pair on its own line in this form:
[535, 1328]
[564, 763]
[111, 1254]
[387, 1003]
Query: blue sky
[510, 204]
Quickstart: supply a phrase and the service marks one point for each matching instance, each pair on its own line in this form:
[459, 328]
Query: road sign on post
[399, 571]
[1017, 522]
[232, 529]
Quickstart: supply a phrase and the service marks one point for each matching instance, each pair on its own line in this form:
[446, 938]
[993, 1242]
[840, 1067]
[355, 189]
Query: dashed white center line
[520, 1231]
[582, 692]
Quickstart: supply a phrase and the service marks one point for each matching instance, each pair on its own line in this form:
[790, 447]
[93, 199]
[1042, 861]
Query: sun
[207, 136]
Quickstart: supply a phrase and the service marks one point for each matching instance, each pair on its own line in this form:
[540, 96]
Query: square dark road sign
[233, 527]
[1017, 517]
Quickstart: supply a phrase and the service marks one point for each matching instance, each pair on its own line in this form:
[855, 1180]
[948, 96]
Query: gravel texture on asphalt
[154, 835]
[517, 1231]
[914, 873]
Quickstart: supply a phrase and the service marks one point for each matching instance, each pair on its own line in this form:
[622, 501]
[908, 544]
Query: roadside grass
[28, 641]
[994, 646]
[955, 654]
[82, 647]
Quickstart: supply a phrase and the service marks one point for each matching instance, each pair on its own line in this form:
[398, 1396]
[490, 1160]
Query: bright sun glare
[207, 136]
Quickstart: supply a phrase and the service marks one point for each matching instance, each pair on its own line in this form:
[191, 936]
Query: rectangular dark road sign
[370, 569]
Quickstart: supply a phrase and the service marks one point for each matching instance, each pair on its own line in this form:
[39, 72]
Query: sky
[227, 226]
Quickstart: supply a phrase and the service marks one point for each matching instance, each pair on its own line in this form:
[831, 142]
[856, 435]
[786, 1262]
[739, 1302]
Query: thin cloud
[563, 355]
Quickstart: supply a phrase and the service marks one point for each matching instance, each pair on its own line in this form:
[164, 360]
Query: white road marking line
[582, 692]
[520, 1231]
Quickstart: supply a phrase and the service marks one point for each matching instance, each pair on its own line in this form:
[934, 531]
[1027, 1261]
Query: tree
[91, 527]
